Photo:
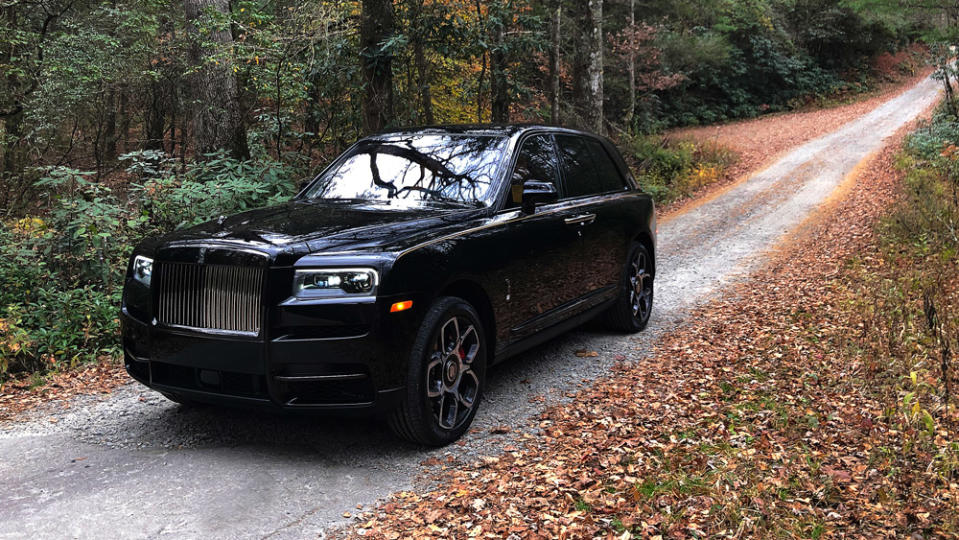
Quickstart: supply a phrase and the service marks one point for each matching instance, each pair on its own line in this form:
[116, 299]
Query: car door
[594, 186]
[536, 281]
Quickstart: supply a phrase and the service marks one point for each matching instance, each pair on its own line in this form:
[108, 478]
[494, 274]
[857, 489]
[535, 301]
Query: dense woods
[122, 118]
[84, 82]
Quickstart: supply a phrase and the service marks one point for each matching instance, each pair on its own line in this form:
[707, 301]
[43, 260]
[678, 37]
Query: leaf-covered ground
[766, 416]
[760, 141]
[29, 393]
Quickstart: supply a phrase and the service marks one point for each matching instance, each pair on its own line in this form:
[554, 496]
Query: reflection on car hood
[326, 225]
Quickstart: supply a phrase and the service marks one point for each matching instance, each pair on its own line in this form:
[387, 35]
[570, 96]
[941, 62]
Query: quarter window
[588, 167]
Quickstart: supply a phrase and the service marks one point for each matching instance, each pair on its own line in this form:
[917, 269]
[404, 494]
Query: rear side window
[610, 179]
[588, 167]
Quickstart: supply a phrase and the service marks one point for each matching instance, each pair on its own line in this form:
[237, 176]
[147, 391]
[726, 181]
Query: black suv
[396, 277]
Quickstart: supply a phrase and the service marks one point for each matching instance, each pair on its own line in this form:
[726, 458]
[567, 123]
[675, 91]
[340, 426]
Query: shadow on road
[154, 422]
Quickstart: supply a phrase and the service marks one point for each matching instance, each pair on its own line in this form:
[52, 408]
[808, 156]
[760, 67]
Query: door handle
[582, 219]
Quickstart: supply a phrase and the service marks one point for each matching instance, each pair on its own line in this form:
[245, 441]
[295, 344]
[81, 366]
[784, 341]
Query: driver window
[535, 162]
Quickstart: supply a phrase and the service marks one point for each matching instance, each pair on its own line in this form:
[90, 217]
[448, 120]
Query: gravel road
[132, 464]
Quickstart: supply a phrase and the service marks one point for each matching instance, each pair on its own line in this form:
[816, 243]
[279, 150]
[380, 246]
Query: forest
[120, 119]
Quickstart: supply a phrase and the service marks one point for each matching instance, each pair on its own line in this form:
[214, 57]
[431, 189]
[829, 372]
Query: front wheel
[447, 370]
[630, 313]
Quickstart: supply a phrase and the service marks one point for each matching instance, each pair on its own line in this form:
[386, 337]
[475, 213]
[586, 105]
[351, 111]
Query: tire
[446, 374]
[634, 304]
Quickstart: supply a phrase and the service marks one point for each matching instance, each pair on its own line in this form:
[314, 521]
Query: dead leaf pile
[26, 393]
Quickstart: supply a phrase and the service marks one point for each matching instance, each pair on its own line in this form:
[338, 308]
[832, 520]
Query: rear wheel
[447, 370]
[634, 304]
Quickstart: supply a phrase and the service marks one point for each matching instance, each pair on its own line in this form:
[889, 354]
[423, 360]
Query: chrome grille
[210, 297]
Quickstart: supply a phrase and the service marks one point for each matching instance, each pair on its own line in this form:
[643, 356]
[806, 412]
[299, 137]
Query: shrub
[46, 317]
[87, 230]
[929, 140]
[61, 275]
[671, 170]
[206, 190]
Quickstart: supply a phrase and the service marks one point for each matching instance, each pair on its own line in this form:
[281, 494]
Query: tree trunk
[631, 68]
[173, 132]
[499, 107]
[376, 26]
[217, 122]
[11, 106]
[481, 80]
[3, 145]
[124, 113]
[12, 154]
[110, 127]
[594, 72]
[577, 18]
[554, 63]
[950, 95]
[314, 104]
[422, 64]
[155, 119]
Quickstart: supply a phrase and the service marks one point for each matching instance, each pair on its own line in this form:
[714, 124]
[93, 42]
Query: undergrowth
[61, 269]
[671, 170]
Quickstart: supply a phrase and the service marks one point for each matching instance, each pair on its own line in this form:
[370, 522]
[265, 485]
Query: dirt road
[133, 465]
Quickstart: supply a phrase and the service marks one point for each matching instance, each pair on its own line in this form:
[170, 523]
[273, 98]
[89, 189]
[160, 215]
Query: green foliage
[60, 277]
[836, 36]
[929, 223]
[46, 317]
[929, 140]
[86, 231]
[742, 59]
[671, 170]
[218, 186]
[299, 62]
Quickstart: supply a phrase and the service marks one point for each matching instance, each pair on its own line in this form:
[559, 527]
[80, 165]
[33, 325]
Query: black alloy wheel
[446, 375]
[632, 309]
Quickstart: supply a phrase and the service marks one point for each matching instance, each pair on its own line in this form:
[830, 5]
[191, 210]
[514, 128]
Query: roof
[506, 130]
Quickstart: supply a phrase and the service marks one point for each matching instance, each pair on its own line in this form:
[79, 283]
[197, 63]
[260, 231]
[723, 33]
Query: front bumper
[333, 356]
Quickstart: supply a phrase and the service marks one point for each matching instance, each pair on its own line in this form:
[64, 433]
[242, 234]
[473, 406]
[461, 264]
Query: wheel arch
[473, 292]
[646, 240]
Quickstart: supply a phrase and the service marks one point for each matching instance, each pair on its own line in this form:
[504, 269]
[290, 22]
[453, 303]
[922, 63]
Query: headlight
[335, 282]
[142, 269]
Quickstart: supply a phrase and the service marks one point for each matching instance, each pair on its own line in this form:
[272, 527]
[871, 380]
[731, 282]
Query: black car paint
[531, 276]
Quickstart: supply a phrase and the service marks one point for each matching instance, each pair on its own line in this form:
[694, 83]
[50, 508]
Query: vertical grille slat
[230, 304]
[210, 297]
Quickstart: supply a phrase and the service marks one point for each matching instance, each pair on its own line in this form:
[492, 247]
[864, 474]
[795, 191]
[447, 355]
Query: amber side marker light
[401, 306]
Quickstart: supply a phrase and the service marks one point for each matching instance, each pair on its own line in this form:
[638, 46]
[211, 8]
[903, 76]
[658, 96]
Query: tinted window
[610, 179]
[588, 167]
[451, 168]
[534, 162]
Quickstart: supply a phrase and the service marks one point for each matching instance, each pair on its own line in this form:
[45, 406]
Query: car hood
[310, 227]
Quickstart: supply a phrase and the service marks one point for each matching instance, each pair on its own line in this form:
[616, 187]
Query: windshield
[423, 167]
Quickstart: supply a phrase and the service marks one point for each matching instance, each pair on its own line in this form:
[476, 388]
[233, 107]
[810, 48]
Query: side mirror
[536, 193]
